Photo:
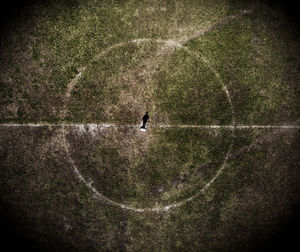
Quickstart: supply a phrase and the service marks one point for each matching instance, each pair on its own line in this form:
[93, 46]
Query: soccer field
[217, 168]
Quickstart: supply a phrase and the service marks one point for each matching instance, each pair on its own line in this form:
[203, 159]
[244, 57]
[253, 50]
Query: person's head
[146, 112]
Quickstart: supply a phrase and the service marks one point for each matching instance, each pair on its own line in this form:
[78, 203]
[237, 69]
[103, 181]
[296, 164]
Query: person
[145, 119]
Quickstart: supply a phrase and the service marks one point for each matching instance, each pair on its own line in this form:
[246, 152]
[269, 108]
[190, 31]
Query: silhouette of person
[145, 119]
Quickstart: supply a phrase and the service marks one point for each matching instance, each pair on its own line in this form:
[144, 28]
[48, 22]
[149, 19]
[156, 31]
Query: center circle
[100, 141]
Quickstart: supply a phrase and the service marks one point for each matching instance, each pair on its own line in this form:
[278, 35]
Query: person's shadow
[145, 119]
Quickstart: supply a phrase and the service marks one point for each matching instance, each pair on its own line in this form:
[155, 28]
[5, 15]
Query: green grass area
[188, 92]
[112, 88]
[41, 55]
[255, 55]
[253, 62]
[177, 87]
[256, 59]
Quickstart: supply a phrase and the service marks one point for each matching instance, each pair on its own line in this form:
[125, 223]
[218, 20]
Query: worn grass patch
[161, 166]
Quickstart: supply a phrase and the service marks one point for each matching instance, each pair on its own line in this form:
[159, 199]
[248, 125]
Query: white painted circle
[169, 43]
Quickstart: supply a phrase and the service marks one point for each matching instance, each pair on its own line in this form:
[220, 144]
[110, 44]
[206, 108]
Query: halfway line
[109, 125]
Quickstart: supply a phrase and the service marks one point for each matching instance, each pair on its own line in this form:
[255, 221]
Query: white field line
[226, 20]
[207, 185]
[113, 125]
[89, 183]
[232, 126]
[267, 126]
[170, 43]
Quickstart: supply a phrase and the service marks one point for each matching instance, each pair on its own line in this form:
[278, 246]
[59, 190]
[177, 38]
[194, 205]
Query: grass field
[217, 168]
